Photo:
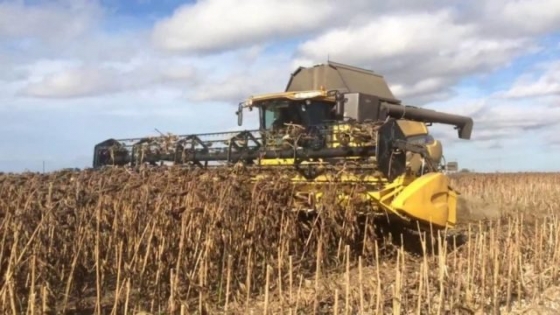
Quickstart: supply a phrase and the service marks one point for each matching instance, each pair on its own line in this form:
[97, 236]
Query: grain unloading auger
[334, 125]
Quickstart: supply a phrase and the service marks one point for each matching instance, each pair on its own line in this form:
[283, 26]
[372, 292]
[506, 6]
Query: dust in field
[187, 242]
[474, 209]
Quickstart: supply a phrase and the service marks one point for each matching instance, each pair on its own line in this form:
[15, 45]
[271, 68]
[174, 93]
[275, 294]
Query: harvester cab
[303, 108]
[333, 125]
[281, 115]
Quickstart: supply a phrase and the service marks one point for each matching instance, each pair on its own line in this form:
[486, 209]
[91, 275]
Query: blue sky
[75, 72]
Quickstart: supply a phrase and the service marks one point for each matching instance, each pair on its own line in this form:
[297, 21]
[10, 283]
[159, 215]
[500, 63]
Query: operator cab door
[312, 115]
[274, 115]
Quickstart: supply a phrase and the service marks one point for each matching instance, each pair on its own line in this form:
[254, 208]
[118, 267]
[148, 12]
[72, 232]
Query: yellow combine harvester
[334, 125]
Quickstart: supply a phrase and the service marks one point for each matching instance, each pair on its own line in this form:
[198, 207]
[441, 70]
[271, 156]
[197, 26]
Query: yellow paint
[428, 199]
[315, 94]
[270, 162]
[412, 128]
[435, 150]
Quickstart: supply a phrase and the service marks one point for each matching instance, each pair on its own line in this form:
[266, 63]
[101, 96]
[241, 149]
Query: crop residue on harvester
[336, 130]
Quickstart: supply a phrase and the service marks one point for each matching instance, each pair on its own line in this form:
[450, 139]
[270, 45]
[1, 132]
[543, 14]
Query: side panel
[361, 107]
[435, 150]
[412, 128]
[428, 199]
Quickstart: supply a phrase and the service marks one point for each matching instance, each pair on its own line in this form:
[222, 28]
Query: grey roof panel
[342, 77]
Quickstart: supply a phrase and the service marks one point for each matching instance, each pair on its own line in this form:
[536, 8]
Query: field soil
[172, 241]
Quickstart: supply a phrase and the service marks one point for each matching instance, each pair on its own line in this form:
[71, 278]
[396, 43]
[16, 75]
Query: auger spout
[462, 123]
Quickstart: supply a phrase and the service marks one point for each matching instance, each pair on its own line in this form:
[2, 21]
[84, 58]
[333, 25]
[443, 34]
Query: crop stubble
[176, 241]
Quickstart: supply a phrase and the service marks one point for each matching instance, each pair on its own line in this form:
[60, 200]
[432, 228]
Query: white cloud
[522, 117]
[532, 85]
[74, 82]
[423, 53]
[390, 36]
[53, 21]
[44, 30]
[429, 85]
[79, 80]
[499, 123]
[210, 25]
[527, 17]
[412, 51]
[247, 76]
[420, 62]
[114, 81]
[242, 74]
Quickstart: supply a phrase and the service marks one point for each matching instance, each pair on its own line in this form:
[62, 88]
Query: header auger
[331, 117]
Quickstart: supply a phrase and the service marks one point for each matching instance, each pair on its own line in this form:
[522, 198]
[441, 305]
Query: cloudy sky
[76, 72]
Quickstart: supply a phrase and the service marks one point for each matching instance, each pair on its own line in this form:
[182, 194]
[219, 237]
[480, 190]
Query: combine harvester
[334, 125]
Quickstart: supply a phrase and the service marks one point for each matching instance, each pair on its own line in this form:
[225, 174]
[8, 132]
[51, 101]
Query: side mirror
[239, 113]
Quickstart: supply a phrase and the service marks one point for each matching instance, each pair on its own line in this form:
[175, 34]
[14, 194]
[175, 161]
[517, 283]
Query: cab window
[276, 113]
[317, 113]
